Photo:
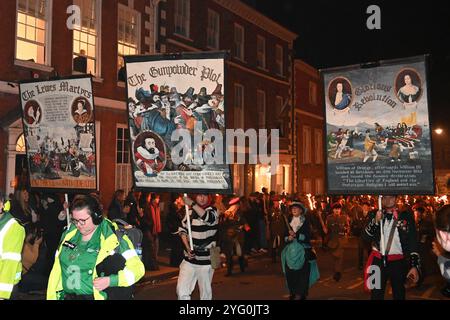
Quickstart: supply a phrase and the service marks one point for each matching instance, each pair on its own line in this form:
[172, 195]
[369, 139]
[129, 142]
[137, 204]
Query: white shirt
[396, 247]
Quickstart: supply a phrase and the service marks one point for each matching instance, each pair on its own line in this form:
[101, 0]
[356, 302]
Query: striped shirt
[204, 230]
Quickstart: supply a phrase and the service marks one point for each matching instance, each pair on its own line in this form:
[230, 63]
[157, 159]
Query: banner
[169, 96]
[59, 130]
[378, 136]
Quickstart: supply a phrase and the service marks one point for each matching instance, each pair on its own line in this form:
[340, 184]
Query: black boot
[242, 263]
[229, 266]
[274, 255]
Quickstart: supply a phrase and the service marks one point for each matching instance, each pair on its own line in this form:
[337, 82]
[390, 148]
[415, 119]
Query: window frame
[241, 56]
[264, 53]
[186, 18]
[216, 33]
[47, 43]
[279, 63]
[98, 41]
[120, 165]
[128, 9]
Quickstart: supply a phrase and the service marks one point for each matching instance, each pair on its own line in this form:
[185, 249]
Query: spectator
[146, 226]
[174, 222]
[115, 210]
[35, 264]
[155, 211]
[80, 62]
[441, 246]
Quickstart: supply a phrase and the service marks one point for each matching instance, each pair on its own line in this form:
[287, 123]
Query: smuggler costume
[298, 258]
[199, 268]
[400, 238]
[232, 233]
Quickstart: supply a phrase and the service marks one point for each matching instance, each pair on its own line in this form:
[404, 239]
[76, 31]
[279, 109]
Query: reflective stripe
[3, 232]
[129, 254]
[6, 287]
[18, 274]
[11, 256]
[129, 276]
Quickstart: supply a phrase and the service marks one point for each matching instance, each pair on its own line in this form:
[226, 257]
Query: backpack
[113, 264]
[134, 234]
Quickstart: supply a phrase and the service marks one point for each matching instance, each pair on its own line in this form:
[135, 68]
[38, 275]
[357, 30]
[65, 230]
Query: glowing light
[309, 200]
[438, 131]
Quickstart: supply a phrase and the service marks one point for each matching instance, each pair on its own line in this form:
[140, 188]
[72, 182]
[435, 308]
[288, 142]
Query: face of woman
[408, 80]
[202, 199]
[25, 195]
[339, 87]
[337, 211]
[85, 224]
[296, 211]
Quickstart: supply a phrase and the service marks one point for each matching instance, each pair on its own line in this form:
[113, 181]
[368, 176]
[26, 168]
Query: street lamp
[438, 131]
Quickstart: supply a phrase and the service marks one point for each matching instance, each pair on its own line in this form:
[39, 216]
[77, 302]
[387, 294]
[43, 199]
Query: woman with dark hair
[115, 210]
[146, 226]
[174, 220]
[298, 259]
[441, 246]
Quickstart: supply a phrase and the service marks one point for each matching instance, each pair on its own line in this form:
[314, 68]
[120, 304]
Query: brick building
[308, 129]
[259, 79]
[37, 43]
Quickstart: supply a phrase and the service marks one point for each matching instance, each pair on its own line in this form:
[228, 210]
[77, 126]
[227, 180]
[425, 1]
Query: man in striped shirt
[196, 266]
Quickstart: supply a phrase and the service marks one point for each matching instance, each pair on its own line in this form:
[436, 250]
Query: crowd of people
[288, 228]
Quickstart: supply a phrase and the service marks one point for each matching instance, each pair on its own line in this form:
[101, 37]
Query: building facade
[258, 74]
[308, 129]
[42, 39]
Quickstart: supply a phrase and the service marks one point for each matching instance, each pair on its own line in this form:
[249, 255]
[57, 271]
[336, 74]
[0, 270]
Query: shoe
[253, 250]
[263, 250]
[337, 276]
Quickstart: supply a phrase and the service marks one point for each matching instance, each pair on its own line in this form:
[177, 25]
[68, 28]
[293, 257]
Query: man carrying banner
[196, 266]
[401, 260]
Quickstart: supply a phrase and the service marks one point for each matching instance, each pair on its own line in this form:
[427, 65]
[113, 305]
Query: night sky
[334, 33]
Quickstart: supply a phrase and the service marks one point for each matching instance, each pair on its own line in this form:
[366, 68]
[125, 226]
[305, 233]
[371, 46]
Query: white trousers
[189, 275]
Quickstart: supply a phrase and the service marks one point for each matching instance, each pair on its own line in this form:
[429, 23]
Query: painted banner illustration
[59, 131]
[166, 94]
[378, 136]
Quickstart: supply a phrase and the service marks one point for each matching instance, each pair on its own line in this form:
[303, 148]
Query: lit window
[182, 17]
[213, 29]
[318, 143]
[129, 35]
[32, 30]
[85, 37]
[20, 144]
[306, 144]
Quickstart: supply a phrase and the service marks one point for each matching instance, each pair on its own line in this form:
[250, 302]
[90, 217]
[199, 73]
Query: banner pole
[188, 224]
[382, 247]
[66, 198]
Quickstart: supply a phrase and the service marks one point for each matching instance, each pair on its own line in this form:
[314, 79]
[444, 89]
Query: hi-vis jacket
[133, 271]
[12, 235]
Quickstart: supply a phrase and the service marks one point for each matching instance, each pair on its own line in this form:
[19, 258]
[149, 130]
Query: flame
[310, 202]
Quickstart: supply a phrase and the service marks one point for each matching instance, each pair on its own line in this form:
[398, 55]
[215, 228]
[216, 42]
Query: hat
[336, 205]
[297, 203]
[202, 92]
[234, 200]
[217, 91]
[164, 89]
[153, 88]
[189, 93]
